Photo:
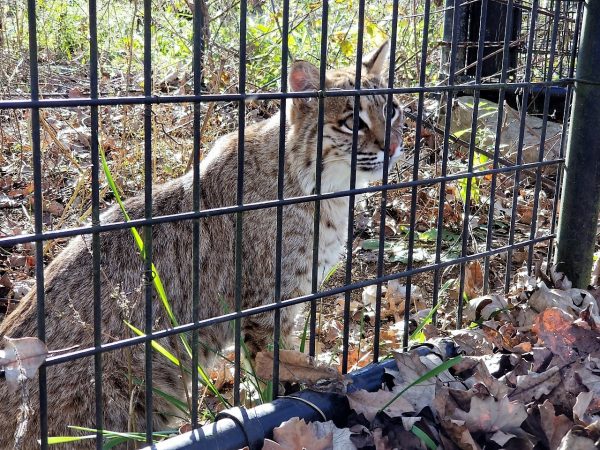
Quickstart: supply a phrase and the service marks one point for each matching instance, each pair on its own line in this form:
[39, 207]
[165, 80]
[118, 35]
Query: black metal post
[580, 203]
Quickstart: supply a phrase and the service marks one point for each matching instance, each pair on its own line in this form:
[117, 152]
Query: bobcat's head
[339, 121]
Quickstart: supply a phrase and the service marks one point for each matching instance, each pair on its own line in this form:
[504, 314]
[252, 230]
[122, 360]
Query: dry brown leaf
[381, 442]
[581, 404]
[554, 427]
[564, 396]
[396, 297]
[75, 92]
[50, 206]
[294, 367]
[567, 340]
[6, 281]
[573, 301]
[341, 436]
[473, 279]
[495, 387]
[268, 444]
[467, 363]
[525, 214]
[483, 308]
[576, 440]
[496, 338]
[221, 373]
[489, 415]
[533, 385]
[410, 368]
[21, 359]
[459, 434]
[588, 375]
[330, 330]
[502, 439]
[358, 358]
[369, 403]
[296, 434]
[472, 342]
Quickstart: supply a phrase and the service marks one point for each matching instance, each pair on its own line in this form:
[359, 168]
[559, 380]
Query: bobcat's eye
[396, 111]
[348, 124]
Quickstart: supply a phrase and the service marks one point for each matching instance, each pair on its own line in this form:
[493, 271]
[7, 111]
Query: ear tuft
[303, 76]
[376, 61]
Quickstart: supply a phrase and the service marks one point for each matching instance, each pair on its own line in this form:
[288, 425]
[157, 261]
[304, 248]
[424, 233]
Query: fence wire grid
[505, 59]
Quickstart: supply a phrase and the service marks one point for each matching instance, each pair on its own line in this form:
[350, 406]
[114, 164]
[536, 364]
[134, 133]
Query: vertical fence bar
[197, 69]
[499, 124]
[318, 172]
[36, 147]
[94, 144]
[538, 171]
[565, 127]
[240, 201]
[280, 184]
[148, 214]
[580, 203]
[351, 197]
[472, 142]
[415, 171]
[386, 162]
[519, 157]
[446, 148]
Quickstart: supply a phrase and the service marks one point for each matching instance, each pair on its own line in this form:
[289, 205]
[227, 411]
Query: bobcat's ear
[376, 61]
[303, 77]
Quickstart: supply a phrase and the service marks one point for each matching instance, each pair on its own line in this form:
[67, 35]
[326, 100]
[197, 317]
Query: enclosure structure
[493, 199]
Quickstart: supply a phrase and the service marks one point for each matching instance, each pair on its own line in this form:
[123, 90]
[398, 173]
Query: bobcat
[68, 286]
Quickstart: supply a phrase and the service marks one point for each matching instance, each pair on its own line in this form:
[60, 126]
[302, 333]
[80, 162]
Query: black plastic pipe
[580, 203]
[237, 427]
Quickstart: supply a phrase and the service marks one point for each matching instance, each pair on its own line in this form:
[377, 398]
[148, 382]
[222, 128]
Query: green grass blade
[156, 280]
[329, 274]
[134, 436]
[425, 321]
[181, 406]
[160, 290]
[155, 345]
[304, 334]
[432, 373]
[112, 442]
[113, 185]
[424, 437]
[204, 379]
[54, 440]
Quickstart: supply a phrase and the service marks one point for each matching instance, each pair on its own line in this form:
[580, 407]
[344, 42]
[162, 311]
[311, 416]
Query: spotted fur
[69, 295]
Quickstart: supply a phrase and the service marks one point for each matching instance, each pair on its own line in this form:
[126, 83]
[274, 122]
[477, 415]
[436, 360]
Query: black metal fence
[526, 59]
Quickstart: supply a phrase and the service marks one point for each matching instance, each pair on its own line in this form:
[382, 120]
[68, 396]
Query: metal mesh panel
[519, 55]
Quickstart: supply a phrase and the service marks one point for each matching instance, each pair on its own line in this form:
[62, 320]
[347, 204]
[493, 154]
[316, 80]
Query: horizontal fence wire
[209, 98]
[155, 220]
[547, 28]
[54, 360]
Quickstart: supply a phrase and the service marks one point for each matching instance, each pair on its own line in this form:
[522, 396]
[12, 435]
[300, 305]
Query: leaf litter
[525, 374]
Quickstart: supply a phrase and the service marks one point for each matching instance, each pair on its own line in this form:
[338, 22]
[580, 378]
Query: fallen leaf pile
[527, 376]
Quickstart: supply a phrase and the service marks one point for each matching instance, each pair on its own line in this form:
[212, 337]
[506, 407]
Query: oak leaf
[489, 415]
